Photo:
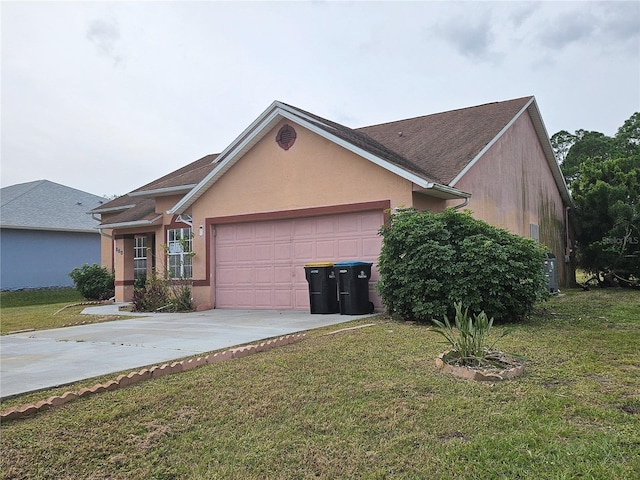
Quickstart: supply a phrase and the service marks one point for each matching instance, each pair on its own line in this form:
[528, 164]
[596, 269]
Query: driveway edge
[146, 373]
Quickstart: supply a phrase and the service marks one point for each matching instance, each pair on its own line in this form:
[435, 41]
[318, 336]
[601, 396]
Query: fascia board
[545, 141]
[112, 209]
[359, 151]
[543, 137]
[447, 192]
[256, 131]
[135, 223]
[159, 192]
[247, 132]
[48, 229]
[490, 144]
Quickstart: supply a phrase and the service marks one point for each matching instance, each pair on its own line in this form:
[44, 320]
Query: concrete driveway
[32, 361]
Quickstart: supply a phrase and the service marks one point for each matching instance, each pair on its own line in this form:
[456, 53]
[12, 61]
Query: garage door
[260, 265]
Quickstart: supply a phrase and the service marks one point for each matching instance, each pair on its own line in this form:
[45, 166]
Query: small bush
[93, 282]
[469, 338]
[156, 293]
[430, 261]
[181, 301]
[153, 295]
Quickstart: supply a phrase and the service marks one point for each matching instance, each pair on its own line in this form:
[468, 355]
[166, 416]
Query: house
[295, 188]
[45, 232]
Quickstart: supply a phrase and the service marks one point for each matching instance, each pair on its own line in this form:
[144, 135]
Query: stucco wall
[38, 259]
[512, 187]
[428, 203]
[313, 173]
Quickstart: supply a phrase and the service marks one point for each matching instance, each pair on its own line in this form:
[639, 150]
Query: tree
[561, 142]
[603, 174]
[594, 145]
[607, 199]
[628, 137]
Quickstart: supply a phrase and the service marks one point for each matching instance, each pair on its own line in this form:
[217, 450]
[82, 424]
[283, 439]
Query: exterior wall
[423, 202]
[313, 173]
[123, 243]
[38, 259]
[124, 267]
[107, 246]
[512, 187]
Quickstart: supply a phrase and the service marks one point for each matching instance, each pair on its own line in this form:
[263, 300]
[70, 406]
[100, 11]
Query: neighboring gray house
[45, 232]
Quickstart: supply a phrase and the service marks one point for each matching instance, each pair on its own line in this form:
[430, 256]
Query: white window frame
[139, 256]
[179, 248]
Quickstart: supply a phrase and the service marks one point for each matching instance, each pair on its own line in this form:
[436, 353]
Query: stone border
[147, 373]
[478, 375]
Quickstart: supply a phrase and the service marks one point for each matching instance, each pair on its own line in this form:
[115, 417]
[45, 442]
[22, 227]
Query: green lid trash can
[353, 287]
[323, 297]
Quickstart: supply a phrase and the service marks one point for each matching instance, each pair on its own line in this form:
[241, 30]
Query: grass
[366, 403]
[42, 309]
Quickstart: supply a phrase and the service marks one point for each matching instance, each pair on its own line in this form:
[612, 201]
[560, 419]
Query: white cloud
[105, 36]
[190, 76]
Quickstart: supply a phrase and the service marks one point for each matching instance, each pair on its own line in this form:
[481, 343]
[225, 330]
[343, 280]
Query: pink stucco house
[295, 188]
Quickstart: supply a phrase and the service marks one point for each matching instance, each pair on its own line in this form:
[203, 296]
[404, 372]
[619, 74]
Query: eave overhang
[442, 191]
[163, 192]
[120, 208]
[259, 128]
[132, 224]
[48, 229]
[541, 131]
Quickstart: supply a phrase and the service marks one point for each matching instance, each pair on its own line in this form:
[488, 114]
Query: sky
[108, 96]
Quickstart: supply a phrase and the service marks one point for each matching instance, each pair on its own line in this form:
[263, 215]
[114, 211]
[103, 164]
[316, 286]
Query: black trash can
[353, 287]
[323, 296]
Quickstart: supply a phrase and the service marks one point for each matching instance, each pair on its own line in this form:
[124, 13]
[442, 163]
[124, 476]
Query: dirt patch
[451, 436]
[631, 408]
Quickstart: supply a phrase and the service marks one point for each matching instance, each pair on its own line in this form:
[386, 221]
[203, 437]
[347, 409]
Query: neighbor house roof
[45, 205]
[432, 151]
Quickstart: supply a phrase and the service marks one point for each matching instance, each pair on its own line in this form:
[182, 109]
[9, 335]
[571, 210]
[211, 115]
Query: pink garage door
[260, 265]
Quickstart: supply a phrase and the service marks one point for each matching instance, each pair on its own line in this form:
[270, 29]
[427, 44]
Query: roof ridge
[36, 184]
[374, 144]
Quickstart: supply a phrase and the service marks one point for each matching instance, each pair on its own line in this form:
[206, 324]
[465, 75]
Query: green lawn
[42, 309]
[366, 403]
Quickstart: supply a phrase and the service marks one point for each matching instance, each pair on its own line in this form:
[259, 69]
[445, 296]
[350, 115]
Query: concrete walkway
[38, 360]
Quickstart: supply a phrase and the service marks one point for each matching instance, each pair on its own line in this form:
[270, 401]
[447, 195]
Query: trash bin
[323, 296]
[353, 287]
[551, 273]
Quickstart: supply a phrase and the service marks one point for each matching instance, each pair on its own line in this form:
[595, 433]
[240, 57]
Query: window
[534, 232]
[179, 243]
[140, 256]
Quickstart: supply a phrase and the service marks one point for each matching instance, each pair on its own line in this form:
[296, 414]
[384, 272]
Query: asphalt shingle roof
[434, 147]
[45, 205]
[442, 144]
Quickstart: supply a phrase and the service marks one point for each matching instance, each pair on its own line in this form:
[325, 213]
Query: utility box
[323, 297]
[353, 287]
[551, 273]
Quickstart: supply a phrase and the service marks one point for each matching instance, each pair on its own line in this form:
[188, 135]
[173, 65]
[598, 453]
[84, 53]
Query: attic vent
[286, 137]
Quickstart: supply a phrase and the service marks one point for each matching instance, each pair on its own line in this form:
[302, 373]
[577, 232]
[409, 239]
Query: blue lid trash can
[323, 297]
[353, 287]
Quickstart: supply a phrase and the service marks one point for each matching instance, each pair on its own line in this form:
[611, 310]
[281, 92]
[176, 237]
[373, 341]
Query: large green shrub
[93, 282]
[431, 261]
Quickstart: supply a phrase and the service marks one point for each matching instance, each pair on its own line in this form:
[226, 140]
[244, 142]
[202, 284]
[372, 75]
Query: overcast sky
[108, 96]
